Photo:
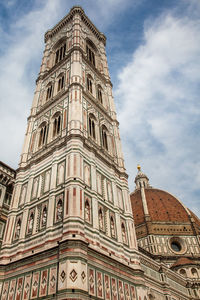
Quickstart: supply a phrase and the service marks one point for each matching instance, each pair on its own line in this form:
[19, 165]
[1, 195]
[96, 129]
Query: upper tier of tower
[75, 32]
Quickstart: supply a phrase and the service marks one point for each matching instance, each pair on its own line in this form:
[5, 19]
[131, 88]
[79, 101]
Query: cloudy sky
[154, 61]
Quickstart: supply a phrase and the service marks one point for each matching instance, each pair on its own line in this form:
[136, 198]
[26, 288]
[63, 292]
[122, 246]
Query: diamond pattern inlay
[73, 275]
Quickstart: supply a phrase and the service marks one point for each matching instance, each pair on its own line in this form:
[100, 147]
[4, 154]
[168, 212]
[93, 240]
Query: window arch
[60, 53]
[99, 94]
[183, 272]
[61, 81]
[104, 133]
[89, 83]
[49, 93]
[90, 51]
[101, 219]
[56, 125]
[43, 134]
[194, 272]
[92, 130]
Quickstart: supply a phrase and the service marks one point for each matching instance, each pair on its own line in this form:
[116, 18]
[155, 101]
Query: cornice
[75, 10]
[41, 155]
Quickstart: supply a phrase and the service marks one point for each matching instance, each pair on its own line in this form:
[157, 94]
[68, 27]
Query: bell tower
[70, 230]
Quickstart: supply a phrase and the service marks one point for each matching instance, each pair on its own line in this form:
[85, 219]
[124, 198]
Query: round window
[176, 246]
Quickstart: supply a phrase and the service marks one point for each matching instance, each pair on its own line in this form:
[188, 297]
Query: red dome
[162, 207]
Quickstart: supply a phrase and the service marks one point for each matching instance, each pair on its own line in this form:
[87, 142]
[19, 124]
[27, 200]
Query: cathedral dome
[162, 207]
[158, 212]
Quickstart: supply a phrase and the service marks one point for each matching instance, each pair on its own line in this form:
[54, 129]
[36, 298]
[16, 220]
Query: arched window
[194, 272]
[89, 84]
[49, 91]
[60, 53]
[56, 125]
[90, 50]
[183, 272]
[101, 221]
[61, 81]
[104, 132]
[99, 94]
[43, 135]
[92, 132]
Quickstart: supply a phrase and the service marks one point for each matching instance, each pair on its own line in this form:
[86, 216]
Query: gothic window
[112, 226]
[44, 217]
[109, 191]
[59, 208]
[124, 238]
[90, 50]
[60, 53]
[120, 198]
[101, 219]
[17, 229]
[56, 125]
[104, 133]
[89, 84]
[30, 223]
[8, 195]
[92, 132]
[61, 81]
[49, 93]
[99, 94]
[42, 135]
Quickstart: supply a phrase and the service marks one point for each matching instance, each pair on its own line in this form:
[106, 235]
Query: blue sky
[154, 62]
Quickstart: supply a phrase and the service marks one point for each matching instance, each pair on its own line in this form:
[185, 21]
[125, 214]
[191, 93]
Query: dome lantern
[141, 179]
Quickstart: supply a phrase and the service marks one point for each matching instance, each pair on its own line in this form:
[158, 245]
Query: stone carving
[59, 213]
[44, 216]
[99, 285]
[124, 239]
[18, 228]
[87, 211]
[63, 276]
[91, 282]
[30, 223]
[83, 276]
[112, 226]
[73, 275]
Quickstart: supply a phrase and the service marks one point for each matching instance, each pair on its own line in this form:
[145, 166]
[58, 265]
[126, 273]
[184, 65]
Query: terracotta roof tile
[162, 206]
[183, 261]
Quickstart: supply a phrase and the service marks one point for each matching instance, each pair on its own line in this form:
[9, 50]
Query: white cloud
[159, 96]
[21, 54]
